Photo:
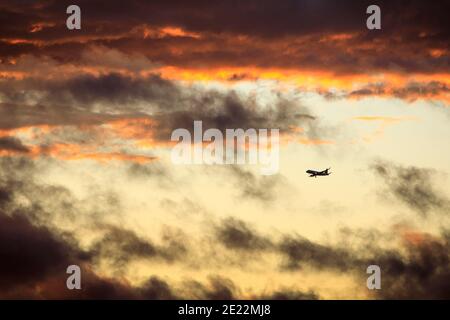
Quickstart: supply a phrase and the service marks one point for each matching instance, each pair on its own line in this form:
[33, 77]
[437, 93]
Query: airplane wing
[314, 173]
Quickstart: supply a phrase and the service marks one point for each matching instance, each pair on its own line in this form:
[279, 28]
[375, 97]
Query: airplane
[313, 173]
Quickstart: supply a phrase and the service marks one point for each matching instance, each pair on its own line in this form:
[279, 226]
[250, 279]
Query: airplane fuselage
[313, 173]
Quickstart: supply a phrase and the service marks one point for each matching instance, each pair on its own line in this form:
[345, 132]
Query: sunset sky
[86, 176]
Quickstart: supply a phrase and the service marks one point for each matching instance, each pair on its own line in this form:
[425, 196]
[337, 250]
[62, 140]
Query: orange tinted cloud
[379, 118]
[133, 128]
[101, 60]
[382, 123]
[66, 151]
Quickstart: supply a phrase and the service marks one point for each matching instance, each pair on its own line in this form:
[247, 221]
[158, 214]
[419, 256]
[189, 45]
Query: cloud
[413, 187]
[410, 91]
[236, 234]
[230, 110]
[146, 110]
[290, 294]
[83, 100]
[416, 269]
[256, 34]
[12, 144]
[117, 88]
[256, 187]
[217, 288]
[423, 274]
[120, 246]
[157, 289]
[152, 170]
[415, 90]
[35, 266]
[19, 115]
[37, 252]
[300, 252]
[296, 251]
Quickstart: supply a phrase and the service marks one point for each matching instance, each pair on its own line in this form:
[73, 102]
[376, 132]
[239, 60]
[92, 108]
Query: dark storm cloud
[12, 144]
[120, 246]
[369, 90]
[411, 91]
[154, 170]
[38, 258]
[16, 171]
[41, 253]
[4, 197]
[114, 88]
[409, 30]
[413, 187]
[84, 100]
[157, 289]
[30, 253]
[300, 252]
[16, 115]
[415, 89]
[35, 256]
[65, 99]
[35, 252]
[220, 288]
[423, 274]
[92, 100]
[217, 288]
[268, 18]
[229, 111]
[296, 251]
[50, 204]
[255, 187]
[417, 270]
[137, 170]
[290, 294]
[236, 234]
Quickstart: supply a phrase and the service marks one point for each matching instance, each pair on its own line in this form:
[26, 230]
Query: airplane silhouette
[314, 173]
